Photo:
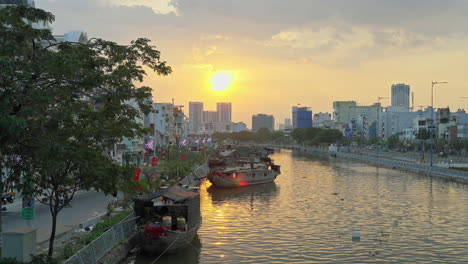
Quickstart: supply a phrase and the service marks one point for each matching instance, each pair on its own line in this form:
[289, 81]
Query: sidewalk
[85, 206]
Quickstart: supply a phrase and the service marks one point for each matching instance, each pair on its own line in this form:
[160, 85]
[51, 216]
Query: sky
[285, 53]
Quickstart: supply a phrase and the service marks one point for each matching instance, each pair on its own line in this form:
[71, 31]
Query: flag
[137, 174]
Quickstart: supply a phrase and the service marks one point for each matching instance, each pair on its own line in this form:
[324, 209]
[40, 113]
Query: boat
[235, 166]
[245, 174]
[263, 192]
[168, 220]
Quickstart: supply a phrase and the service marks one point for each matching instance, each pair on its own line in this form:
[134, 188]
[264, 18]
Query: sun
[221, 80]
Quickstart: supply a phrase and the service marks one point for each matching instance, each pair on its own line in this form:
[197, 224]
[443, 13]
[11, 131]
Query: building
[344, 111]
[195, 117]
[131, 150]
[17, 2]
[287, 123]
[401, 123]
[75, 36]
[301, 117]
[170, 124]
[322, 120]
[224, 117]
[210, 122]
[224, 112]
[239, 127]
[401, 95]
[263, 121]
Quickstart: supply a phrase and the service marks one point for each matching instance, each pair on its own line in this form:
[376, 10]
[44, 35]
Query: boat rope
[166, 249]
[190, 243]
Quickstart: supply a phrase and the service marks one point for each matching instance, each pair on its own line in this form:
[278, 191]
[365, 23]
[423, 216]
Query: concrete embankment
[449, 174]
[120, 251]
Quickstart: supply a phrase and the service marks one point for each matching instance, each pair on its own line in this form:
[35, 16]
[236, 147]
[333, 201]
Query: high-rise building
[263, 121]
[301, 117]
[322, 120]
[400, 95]
[287, 123]
[224, 112]
[210, 122]
[195, 117]
[224, 117]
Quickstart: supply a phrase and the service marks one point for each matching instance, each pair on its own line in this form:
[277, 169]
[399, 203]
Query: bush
[71, 248]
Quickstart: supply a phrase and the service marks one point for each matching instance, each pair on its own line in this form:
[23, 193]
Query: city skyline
[313, 54]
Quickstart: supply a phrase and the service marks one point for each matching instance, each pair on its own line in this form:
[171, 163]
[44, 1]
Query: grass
[105, 224]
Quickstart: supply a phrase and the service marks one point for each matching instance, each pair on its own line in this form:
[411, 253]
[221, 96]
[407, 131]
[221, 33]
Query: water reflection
[263, 192]
[189, 255]
[309, 213]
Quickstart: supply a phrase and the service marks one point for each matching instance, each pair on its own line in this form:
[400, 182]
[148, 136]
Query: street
[85, 205]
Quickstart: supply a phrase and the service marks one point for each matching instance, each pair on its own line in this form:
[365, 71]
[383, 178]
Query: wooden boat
[264, 192]
[168, 219]
[245, 174]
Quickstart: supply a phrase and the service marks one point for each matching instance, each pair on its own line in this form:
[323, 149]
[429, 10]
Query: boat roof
[174, 192]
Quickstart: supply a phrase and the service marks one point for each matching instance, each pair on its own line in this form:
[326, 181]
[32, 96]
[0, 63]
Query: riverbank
[448, 174]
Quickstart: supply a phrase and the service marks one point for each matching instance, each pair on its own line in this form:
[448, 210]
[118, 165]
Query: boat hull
[170, 244]
[241, 179]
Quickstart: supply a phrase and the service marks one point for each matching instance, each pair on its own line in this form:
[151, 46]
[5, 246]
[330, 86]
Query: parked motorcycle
[8, 197]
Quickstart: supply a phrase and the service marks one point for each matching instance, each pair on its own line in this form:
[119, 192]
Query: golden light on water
[222, 80]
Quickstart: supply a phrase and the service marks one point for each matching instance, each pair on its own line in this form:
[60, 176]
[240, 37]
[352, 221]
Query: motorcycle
[8, 197]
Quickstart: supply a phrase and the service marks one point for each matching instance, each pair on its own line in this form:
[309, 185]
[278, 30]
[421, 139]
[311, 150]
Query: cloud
[158, 6]
[342, 30]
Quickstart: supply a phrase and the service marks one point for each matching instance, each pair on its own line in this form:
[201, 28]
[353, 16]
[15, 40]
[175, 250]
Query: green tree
[393, 141]
[64, 104]
[423, 134]
[263, 135]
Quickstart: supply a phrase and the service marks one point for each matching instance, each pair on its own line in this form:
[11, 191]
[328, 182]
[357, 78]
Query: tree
[393, 141]
[64, 104]
[423, 134]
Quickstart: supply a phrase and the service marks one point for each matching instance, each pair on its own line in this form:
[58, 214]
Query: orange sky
[310, 52]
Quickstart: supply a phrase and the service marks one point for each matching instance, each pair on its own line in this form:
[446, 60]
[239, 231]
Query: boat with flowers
[168, 220]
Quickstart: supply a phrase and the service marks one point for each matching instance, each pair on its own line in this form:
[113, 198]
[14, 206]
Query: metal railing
[193, 178]
[99, 247]
[448, 173]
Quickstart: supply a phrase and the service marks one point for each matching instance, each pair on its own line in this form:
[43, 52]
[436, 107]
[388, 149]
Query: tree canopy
[64, 104]
[316, 136]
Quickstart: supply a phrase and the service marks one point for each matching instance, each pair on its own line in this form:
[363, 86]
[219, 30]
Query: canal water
[309, 214]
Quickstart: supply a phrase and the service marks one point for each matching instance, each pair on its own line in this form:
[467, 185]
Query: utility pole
[431, 130]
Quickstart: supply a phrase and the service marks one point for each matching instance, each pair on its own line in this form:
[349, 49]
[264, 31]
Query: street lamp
[432, 117]
[378, 124]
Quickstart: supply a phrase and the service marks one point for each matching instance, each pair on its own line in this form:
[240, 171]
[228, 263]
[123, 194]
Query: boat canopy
[174, 192]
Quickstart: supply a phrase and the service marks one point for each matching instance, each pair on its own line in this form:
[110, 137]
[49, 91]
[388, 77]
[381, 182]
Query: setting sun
[221, 80]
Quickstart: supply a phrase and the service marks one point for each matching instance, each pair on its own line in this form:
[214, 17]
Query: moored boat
[168, 219]
[244, 175]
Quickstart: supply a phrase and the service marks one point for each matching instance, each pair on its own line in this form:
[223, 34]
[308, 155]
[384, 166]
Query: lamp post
[431, 130]
[378, 124]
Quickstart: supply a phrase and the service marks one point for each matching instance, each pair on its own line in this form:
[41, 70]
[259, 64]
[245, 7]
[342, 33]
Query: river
[309, 214]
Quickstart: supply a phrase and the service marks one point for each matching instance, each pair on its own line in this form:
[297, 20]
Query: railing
[193, 178]
[99, 247]
[449, 173]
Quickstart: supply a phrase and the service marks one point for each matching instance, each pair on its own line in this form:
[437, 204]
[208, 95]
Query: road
[85, 205]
